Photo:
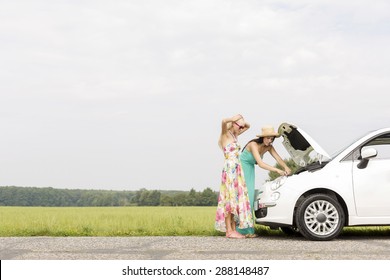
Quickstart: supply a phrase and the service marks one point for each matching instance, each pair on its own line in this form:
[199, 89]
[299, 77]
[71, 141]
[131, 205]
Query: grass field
[124, 221]
[106, 221]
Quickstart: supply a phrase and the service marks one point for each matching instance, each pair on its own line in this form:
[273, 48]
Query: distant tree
[143, 199]
[179, 199]
[193, 198]
[208, 197]
[154, 198]
[166, 200]
[148, 198]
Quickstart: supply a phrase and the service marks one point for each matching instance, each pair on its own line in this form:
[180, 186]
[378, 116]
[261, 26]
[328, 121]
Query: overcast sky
[130, 94]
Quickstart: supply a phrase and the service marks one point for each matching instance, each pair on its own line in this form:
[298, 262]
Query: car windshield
[347, 145]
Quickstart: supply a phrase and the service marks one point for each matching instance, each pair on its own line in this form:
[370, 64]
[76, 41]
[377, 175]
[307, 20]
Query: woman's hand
[281, 172]
[237, 117]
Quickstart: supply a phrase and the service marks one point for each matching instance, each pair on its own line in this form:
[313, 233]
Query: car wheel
[290, 230]
[320, 217]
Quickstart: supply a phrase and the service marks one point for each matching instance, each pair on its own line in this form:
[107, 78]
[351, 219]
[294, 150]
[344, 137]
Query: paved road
[192, 248]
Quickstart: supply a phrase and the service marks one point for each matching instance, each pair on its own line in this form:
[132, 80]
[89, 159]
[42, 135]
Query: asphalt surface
[192, 248]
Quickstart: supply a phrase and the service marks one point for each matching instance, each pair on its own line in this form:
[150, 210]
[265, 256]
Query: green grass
[366, 231]
[106, 221]
[125, 221]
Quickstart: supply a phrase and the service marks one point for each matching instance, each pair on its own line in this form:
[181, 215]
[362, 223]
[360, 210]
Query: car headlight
[278, 182]
[275, 196]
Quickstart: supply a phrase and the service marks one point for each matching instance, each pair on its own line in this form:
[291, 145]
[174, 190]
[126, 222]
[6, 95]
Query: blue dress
[248, 164]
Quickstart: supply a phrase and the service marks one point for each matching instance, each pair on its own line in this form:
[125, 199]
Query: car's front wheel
[320, 217]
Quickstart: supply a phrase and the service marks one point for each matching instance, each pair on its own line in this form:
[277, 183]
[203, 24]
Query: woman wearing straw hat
[252, 154]
[233, 202]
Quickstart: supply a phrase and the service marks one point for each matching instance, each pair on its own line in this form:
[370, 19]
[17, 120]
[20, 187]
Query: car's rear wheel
[320, 217]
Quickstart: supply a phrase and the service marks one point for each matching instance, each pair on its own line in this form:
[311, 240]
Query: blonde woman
[233, 202]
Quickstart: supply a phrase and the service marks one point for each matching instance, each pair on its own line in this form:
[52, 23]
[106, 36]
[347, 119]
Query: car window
[353, 155]
[382, 145]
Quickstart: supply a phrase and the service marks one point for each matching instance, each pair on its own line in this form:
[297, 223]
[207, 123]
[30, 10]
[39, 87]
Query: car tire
[320, 217]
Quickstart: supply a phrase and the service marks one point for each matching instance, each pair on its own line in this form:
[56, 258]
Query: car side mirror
[367, 154]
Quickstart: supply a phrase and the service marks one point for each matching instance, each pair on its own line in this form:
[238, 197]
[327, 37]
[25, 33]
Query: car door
[372, 182]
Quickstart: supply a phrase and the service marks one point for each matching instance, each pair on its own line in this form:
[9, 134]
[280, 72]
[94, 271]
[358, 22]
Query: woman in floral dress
[233, 201]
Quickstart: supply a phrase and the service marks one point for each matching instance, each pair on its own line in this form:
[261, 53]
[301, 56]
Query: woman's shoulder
[252, 145]
[249, 147]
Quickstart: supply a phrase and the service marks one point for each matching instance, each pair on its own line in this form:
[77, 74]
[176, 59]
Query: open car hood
[301, 147]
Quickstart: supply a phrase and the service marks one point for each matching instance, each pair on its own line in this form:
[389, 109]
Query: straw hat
[268, 131]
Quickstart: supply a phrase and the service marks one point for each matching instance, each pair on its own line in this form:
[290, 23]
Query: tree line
[34, 196]
[207, 197]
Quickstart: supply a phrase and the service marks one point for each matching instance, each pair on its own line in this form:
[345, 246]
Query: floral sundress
[233, 194]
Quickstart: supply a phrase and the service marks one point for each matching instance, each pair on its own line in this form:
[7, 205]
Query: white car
[327, 193]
